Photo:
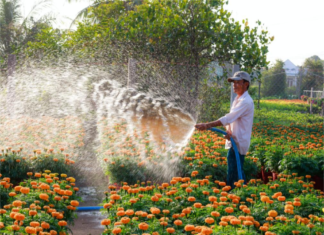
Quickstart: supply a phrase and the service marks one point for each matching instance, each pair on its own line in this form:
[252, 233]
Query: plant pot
[319, 182]
[264, 174]
[274, 175]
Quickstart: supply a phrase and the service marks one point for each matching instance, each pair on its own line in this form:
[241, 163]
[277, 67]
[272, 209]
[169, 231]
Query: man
[238, 124]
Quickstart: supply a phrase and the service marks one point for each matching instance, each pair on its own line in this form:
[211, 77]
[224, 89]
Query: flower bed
[200, 205]
[43, 204]
[15, 165]
[294, 149]
[131, 156]
[286, 101]
[41, 134]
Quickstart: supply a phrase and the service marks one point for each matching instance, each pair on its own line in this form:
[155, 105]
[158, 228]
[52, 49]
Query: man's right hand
[201, 126]
[228, 135]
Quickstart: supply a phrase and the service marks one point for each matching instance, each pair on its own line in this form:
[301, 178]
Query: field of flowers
[43, 134]
[153, 191]
[201, 203]
[285, 101]
[131, 155]
[42, 204]
[289, 149]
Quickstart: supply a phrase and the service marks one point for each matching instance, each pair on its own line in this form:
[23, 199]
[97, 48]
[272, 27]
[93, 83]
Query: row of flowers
[292, 149]
[129, 155]
[14, 164]
[26, 134]
[202, 206]
[43, 204]
[199, 202]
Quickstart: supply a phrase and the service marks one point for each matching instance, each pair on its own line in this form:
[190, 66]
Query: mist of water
[89, 94]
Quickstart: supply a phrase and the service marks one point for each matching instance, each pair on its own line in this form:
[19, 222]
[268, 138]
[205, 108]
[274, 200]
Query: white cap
[239, 76]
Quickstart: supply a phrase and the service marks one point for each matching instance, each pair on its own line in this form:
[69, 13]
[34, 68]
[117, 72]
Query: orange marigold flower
[125, 220]
[264, 228]
[17, 203]
[209, 220]
[34, 224]
[191, 199]
[30, 230]
[143, 226]
[19, 216]
[223, 223]
[105, 222]
[272, 213]
[45, 225]
[229, 210]
[25, 190]
[189, 227]
[116, 230]
[62, 223]
[178, 222]
[170, 230]
[235, 221]
[44, 196]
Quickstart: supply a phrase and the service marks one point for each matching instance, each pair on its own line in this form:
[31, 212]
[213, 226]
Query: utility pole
[131, 81]
[259, 94]
[311, 102]
[299, 81]
[11, 85]
[235, 68]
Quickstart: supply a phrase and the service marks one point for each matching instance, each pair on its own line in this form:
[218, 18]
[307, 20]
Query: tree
[16, 31]
[178, 38]
[273, 81]
[9, 15]
[313, 75]
[193, 32]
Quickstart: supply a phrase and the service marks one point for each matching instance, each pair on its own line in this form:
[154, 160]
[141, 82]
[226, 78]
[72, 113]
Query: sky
[297, 25]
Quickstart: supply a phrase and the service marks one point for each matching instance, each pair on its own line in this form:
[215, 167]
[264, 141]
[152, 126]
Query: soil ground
[88, 222]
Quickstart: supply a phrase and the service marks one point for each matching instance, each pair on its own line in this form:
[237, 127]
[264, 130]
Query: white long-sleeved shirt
[239, 121]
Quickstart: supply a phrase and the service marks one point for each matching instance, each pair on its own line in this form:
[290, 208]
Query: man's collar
[242, 96]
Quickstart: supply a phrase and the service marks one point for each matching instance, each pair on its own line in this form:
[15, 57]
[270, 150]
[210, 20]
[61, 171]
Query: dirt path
[88, 222]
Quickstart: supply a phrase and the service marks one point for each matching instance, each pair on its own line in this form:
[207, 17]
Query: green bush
[4, 196]
[273, 156]
[14, 166]
[215, 101]
[250, 168]
[54, 162]
[124, 169]
[300, 164]
[216, 169]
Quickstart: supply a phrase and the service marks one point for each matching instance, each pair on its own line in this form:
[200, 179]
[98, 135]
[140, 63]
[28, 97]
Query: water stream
[88, 94]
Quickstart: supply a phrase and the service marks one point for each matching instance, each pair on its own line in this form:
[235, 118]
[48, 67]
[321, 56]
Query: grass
[285, 114]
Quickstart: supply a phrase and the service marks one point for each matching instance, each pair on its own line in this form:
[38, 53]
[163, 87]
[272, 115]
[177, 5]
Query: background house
[291, 73]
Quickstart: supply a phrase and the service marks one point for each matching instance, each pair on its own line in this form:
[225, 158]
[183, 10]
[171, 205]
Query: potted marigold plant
[300, 164]
[272, 159]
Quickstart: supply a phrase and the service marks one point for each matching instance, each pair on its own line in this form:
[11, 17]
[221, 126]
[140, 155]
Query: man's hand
[201, 126]
[229, 135]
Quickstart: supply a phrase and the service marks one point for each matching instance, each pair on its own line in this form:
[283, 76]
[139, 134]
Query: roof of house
[290, 68]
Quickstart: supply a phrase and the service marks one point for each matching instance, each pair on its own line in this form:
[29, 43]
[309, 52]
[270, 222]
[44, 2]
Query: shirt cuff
[223, 120]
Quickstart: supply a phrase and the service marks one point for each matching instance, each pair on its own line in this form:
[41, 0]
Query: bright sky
[297, 25]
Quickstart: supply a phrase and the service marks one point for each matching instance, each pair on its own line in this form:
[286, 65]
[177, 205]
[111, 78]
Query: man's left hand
[201, 126]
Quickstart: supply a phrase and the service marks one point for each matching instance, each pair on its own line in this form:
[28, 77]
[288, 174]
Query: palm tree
[13, 27]
[9, 15]
[86, 12]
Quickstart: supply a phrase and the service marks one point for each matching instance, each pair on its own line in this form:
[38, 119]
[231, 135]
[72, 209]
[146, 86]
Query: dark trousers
[232, 174]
